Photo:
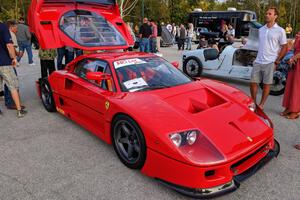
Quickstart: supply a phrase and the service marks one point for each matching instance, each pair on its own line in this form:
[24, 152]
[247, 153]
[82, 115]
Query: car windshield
[141, 74]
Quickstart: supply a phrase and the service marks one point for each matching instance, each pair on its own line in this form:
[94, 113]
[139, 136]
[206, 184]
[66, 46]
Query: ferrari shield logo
[107, 105]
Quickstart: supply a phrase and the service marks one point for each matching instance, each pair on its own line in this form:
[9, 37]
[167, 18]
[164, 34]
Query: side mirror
[97, 76]
[175, 64]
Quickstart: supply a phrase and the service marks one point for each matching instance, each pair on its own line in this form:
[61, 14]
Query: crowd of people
[15, 39]
[148, 36]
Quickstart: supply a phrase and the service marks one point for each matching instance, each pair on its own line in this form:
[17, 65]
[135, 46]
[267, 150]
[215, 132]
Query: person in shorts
[7, 62]
[272, 48]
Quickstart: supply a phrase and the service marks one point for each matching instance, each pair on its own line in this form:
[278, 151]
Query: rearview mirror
[175, 64]
[97, 76]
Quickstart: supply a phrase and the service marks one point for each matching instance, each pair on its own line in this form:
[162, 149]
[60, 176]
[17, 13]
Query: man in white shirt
[272, 48]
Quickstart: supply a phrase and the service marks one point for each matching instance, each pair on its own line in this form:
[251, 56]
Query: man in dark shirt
[182, 37]
[7, 62]
[24, 41]
[159, 30]
[145, 33]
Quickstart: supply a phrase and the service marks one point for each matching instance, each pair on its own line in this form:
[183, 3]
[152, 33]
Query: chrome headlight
[184, 138]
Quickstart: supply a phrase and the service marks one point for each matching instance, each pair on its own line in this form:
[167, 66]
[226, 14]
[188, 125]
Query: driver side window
[92, 65]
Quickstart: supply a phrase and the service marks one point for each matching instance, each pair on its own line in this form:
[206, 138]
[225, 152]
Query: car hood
[83, 24]
[227, 128]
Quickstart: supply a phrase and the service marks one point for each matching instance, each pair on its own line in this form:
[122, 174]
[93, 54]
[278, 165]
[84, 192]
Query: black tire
[192, 67]
[47, 95]
[127, 138]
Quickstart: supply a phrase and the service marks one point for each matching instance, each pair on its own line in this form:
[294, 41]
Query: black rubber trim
[205, 194]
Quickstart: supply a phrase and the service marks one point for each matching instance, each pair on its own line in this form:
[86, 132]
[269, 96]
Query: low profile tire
[129, 142]
[192, 67]
[47, 95]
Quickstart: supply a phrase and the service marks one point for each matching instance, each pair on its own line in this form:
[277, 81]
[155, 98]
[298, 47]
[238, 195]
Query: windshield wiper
[154, 87]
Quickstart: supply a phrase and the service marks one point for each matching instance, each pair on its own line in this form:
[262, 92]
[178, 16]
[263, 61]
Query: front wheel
[129, 142]
[192, 67]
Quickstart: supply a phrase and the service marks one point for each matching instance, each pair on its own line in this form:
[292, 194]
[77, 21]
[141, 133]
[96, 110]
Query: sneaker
[21, 113]
[32, 64]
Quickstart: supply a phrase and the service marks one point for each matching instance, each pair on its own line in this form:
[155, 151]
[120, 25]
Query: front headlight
[184, 138]
[264, 117]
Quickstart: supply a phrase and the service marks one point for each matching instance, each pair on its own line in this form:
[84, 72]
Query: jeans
[61, 53]
[70, 55]
[7, 95]
[189, 43]
[78, 52]
[145, 45]
[153, 48]
[26, 45]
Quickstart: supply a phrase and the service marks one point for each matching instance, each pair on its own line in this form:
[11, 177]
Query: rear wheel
[47, 95]
[192, 66]
[129, 142]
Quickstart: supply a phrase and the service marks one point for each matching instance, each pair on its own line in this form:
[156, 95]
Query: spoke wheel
[192, 67]
[279, 82]
[129, 142]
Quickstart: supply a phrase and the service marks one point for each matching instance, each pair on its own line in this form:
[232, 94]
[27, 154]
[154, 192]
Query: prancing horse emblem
[107, 105]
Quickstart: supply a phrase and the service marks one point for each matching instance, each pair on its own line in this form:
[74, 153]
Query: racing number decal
[107, 104]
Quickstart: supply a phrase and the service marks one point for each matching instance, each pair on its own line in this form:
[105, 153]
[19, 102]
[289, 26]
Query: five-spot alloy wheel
[129, 142]
[47, 96]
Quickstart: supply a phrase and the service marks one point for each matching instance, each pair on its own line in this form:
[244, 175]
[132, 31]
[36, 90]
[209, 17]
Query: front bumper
[227, 187]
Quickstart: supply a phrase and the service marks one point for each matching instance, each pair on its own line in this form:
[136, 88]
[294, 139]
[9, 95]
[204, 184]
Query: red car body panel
[225, 121]
[232, 140]
[44, 17]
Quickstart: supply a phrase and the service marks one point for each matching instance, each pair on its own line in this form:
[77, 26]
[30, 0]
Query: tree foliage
[177, 10]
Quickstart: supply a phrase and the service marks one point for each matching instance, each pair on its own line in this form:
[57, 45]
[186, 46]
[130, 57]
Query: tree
[126, 7]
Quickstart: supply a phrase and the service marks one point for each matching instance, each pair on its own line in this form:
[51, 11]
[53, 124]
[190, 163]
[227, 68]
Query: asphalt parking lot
[46, 156]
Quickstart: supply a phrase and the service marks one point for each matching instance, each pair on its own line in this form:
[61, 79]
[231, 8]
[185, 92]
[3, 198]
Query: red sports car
[201, 138]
